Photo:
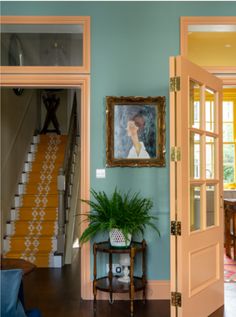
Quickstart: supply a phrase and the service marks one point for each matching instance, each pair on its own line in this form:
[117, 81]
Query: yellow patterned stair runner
[34, 231]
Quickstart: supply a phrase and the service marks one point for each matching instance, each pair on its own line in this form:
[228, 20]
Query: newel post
[61, 211]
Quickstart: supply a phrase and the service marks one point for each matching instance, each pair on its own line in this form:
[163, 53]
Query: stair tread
[33, 173]
[29, 235]
[22, 209]
[33, 195]
[27, 252]
[33, 221]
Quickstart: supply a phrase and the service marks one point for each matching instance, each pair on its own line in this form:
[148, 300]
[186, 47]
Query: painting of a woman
[135, 131]
[134, 127]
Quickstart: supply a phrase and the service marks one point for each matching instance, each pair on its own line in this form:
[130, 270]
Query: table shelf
[103, 284]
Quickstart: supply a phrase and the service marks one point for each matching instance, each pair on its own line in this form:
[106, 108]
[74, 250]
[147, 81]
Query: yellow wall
[209, 48]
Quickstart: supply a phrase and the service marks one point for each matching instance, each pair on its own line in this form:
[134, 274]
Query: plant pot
[117, 238]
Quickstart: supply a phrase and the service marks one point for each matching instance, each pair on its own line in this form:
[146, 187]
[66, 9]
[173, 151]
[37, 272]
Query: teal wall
[130, 43]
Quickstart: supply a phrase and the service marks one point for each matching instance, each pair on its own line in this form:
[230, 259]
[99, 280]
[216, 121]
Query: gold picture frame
[135, 131]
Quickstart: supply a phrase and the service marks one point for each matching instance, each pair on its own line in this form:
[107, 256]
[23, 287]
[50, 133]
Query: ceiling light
[228, 45]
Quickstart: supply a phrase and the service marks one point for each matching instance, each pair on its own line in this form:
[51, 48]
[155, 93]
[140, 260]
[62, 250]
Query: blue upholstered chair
[12, 296]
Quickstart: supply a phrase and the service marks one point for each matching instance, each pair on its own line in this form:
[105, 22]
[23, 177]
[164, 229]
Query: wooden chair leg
[234, 236]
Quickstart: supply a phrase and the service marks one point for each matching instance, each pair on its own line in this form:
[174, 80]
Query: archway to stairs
[81, 82]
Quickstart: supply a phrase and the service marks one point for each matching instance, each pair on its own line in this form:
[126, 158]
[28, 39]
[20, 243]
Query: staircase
[33, 228]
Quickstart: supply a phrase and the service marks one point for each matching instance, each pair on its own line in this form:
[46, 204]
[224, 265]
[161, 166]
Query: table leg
[227, 233]
[132, 290]
[94, 296]
[110, 278]
[144, 270]
[94, 278]
[234, 234]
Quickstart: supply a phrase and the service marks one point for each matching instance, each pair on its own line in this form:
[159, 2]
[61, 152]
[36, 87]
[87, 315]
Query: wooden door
[197, 286]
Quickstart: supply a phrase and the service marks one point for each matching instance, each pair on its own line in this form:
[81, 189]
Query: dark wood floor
[56, 292]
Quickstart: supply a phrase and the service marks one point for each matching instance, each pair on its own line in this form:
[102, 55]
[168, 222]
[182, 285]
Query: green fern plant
[127, 212]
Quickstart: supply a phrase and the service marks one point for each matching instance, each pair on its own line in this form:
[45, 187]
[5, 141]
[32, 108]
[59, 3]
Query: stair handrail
[64, 177]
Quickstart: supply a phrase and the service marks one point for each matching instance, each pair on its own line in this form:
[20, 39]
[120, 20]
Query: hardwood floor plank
[56, 292]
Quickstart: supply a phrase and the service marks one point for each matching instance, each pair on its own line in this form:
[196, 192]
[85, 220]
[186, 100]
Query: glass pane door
[203, 142]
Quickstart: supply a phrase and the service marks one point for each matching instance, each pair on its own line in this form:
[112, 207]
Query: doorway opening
[81, 84]
[210, 42]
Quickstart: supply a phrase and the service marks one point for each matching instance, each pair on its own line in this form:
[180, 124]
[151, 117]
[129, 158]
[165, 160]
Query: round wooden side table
[110, 283]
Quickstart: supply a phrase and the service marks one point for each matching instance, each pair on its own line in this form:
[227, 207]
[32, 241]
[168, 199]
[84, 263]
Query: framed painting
[135, 131]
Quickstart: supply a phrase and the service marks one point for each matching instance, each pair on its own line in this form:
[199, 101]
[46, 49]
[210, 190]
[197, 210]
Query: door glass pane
[229, 162]
[228, 121]
[195, 113]
[210, 110]
[41, 45]
[210, 157]
[195, 156]
[228, 132]
[195, 207]
[228, 111]
[210, 205]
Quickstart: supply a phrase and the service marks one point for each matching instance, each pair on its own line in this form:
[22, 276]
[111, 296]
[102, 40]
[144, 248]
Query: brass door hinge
[174, 84]
[176, 299]
[175, 228]
[175, 153]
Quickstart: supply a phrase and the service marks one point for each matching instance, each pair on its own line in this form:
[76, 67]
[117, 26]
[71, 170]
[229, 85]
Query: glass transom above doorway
[45, 43]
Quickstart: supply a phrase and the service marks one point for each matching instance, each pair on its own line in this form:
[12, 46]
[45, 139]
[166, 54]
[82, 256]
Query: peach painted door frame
[197, 285]
[61, 77]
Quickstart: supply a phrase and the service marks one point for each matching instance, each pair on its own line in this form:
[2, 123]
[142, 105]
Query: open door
[197, 284]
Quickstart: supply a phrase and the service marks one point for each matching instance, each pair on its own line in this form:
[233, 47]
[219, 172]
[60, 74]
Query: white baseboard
[57, 261]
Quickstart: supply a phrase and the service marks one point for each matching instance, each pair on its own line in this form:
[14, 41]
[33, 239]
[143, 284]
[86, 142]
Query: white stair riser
[21, 189]
[24, 177]
[6, 245]
[9, 229]
[18, 201]
[13, 214]
[54, 243]
[36, 139]
[30, 157]
[33, 147]
[27, 167]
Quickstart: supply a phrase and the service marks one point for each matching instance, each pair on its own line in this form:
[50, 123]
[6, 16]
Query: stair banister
[64, 178]
[61, 186]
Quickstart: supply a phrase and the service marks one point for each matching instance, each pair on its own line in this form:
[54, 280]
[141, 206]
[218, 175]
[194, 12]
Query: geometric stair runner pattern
[32, 233]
